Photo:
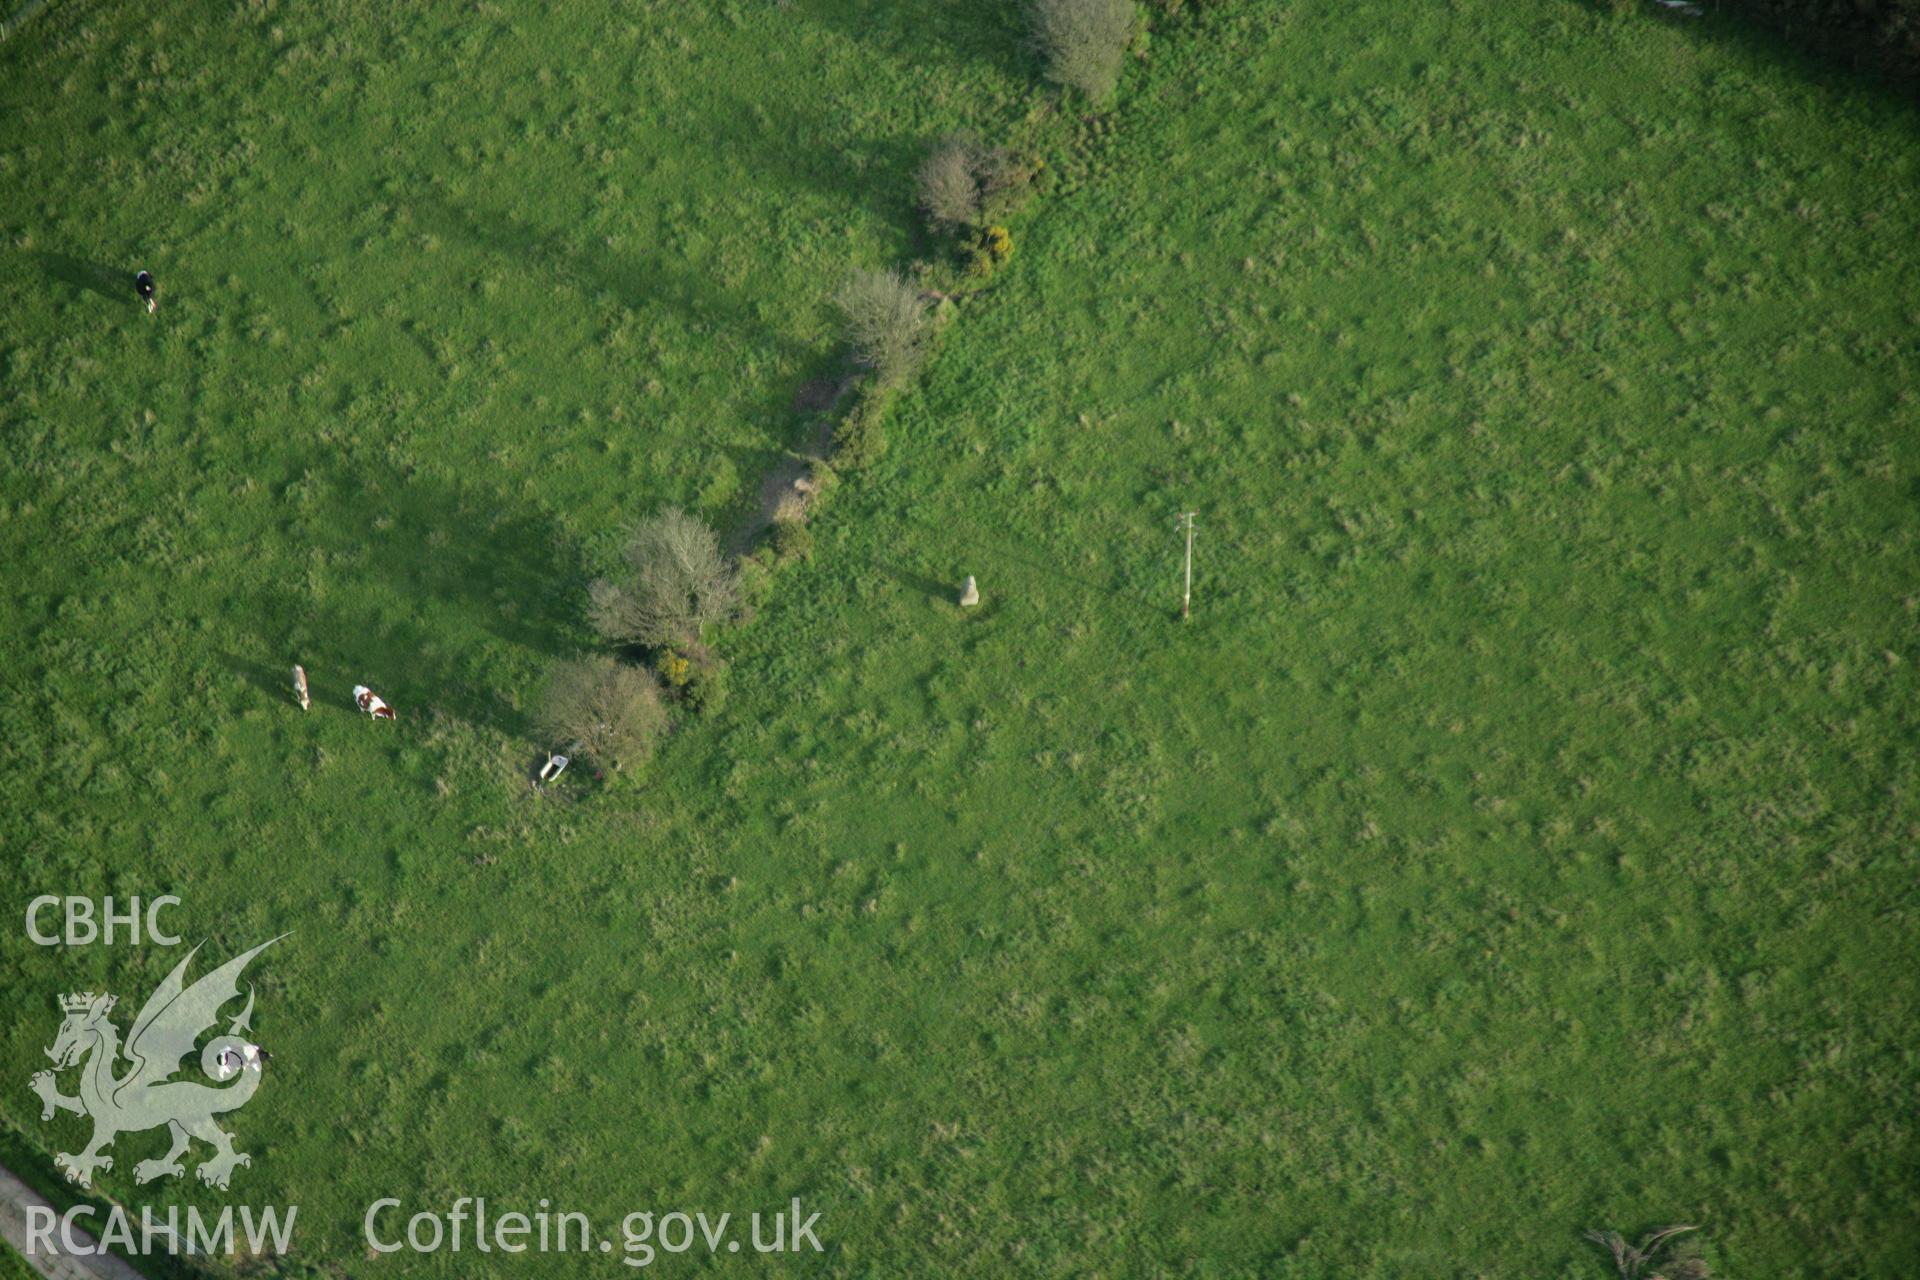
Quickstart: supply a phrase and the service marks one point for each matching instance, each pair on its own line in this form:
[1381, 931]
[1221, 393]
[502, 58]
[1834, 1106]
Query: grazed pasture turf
[1520, 838]
[13, 1266]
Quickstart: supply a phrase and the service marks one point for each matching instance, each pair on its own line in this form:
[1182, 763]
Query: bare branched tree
[963, 176]
[887, 323]
[1632, 1260]
[1083, 41]
[679, 583]
[607, 710]
[949, 185]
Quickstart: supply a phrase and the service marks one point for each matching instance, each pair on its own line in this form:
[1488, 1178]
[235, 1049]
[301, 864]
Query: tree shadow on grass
[112, 283]
[990, 32]
[805, 146]
[639, 281]
[931, 588]
[812, 143]
[434, 595]
[1844, 62]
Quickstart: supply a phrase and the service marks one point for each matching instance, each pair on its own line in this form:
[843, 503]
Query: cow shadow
[112, 283]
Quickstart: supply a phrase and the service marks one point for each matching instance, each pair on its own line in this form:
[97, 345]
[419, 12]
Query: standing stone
[969, 594]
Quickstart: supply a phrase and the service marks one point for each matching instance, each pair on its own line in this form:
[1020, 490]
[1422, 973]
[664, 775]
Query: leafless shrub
[607, 710]
[1632, 1260]
[998, 171]
[949, 189]
[679, 583]
[1084, 41]
[964, 179]
[887, 323]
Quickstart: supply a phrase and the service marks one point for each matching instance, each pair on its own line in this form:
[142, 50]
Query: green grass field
[13, 1266]
[1518, 840]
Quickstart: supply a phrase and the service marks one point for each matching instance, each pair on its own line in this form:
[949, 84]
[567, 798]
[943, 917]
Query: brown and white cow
[372, 703]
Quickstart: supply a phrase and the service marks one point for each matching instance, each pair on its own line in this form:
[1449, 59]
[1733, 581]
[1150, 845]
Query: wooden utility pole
[1186, 595]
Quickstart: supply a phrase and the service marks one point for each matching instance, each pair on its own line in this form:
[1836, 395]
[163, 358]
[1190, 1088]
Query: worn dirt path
[16, 1197]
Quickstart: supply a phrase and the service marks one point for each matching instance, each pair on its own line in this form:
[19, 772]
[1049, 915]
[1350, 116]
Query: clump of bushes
[791, 539]
[675, 669]
[991, 250]
[965, 186]
[756, 579]
[861, 438]
[964, 180]
[1084, 42]
[693, 675]
[886, 323]
[788, 536]
[678, 583]
[608, 710]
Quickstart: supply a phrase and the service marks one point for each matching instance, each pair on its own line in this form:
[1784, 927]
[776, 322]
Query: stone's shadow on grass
[113, 283]
[985, 551]
[433, 594]
[640, 281]
[932, 588]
